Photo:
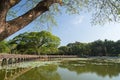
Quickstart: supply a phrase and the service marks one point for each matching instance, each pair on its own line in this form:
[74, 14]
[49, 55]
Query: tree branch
[28, 17]
[13, 2]
[23, 20]
[5, 5]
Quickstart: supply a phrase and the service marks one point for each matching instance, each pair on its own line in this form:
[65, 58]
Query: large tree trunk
[10, 27]
[5, 5]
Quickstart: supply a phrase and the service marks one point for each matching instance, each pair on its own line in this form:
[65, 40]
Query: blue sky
[73, 28]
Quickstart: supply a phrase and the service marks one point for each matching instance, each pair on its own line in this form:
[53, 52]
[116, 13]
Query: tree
[63, 50]
[97, 48]
[12, 47]
[109, 47]
[36, 42]
[117, 48]
[77, 48]
[103, 10]
[9, 27]
[4, 47]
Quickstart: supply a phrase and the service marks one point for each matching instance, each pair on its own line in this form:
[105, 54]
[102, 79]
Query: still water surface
[70, 70]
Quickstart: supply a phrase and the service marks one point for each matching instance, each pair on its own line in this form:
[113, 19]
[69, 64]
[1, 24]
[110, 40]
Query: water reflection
[10, 74]
[100, 68]
[2, 74]
[66, 70]
[41, 73]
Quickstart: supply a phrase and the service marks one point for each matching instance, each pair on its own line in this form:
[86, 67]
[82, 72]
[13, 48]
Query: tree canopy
[36, 43]
[43, 43]
[96, 48]
[4, 47]
[20, 13]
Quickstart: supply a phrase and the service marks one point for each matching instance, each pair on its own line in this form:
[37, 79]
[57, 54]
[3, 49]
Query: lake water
[67, 70]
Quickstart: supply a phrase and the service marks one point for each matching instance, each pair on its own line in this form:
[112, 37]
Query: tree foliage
[96, 48]
[36, 43]
[4, 47]
[20, 13]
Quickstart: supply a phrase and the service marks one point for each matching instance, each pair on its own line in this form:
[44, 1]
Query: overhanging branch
[20, 22]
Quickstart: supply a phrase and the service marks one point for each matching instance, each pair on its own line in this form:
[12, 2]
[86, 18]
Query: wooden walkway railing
[16, 58]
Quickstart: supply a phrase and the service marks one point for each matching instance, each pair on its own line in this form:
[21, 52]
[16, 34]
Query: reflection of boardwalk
[10, 63]
[16, 74]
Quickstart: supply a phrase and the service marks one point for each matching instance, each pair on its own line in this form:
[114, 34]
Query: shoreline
[99, 59]
[57, 60]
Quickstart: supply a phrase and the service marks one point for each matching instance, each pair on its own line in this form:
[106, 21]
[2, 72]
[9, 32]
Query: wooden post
[6, 76]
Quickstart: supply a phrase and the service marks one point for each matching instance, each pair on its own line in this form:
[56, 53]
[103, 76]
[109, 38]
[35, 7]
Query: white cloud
[77, 20]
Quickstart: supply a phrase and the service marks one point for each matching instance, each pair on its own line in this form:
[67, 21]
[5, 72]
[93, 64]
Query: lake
[66, 70]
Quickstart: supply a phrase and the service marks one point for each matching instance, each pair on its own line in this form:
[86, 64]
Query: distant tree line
[96, 48]
[46, 43]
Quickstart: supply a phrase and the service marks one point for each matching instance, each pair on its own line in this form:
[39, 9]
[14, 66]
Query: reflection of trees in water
[41, 73]
[11, 74]
[101, 69]
[2, 74]
[49, 72]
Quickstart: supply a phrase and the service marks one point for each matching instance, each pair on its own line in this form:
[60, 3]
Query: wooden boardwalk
[16, 58]
[6, 59]
[8, 56]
